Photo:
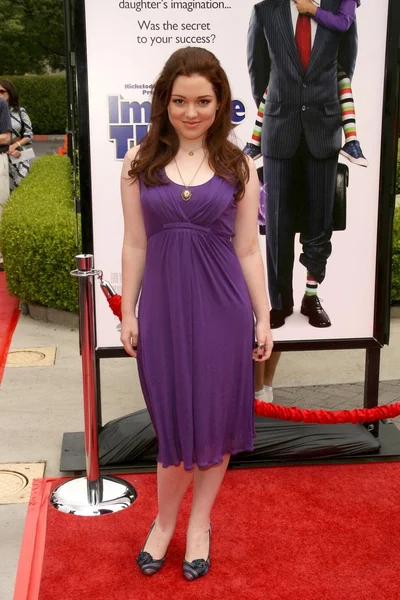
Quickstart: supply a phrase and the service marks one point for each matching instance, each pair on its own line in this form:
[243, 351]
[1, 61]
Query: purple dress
[196, 326]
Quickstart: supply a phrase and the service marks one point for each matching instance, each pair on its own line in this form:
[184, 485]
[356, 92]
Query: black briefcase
[340, 202]
[339, 205]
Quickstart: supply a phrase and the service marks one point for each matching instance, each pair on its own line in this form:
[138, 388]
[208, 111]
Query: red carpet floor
[9, 314]
[306, 533]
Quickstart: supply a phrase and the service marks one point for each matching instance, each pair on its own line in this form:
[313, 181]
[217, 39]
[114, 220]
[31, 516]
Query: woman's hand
[14, 148]
[264, 343]
[129, 335]
[306, 7]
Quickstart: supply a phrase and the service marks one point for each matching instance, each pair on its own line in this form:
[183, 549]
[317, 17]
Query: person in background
[264, 373]
[338, 21]
[22, 133]
[5, 139]
[302, 129]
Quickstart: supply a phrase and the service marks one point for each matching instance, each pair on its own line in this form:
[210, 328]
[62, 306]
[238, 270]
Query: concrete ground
[38, 404]
[47, 147]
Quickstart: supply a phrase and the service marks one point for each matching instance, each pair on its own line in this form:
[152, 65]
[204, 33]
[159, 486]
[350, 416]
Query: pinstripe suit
[301, 134]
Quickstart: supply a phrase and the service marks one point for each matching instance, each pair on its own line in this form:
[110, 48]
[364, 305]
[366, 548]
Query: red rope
[274, 411]
[115, 305]
[365, 415]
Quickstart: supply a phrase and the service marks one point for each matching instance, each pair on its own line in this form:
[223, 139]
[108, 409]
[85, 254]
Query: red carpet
[9, 314]
[289, 533]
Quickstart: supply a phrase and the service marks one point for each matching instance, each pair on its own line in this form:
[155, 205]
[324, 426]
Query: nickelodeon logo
[129, 121]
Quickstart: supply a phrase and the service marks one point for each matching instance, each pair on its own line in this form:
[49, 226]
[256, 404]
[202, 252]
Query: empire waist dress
[196, 326]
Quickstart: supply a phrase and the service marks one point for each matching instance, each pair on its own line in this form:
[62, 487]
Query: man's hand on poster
[306, 7]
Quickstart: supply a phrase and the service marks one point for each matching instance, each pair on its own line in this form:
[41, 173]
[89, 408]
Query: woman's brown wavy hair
[159, 147]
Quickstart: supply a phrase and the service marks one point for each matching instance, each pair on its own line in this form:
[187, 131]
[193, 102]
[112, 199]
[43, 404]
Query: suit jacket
[298, 100]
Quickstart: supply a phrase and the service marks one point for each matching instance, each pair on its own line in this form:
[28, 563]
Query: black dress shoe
[277, 317]
[147, 564]
[311, 308]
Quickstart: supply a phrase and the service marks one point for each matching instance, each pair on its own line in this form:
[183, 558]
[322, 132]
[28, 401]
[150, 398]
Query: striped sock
[311, 285]
[347, 107]
[256, 137]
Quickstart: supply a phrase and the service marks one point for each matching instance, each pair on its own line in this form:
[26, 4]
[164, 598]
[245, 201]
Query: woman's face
[192, 107]
[4, 94]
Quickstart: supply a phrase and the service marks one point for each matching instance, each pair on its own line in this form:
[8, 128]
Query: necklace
[187, 194]
[191, 152]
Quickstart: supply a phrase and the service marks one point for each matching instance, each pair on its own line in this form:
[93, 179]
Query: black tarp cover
[132, 438]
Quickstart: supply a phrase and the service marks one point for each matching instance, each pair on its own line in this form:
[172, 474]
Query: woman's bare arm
[248, 252]
[133, 253]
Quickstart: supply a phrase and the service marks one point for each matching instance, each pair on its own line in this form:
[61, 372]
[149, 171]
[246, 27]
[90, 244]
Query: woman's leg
[347, 106]
[351, 149]
[256, 137]
[259, 376]
[172, 483]
[270, 368]
[263, 378]
[207, 483]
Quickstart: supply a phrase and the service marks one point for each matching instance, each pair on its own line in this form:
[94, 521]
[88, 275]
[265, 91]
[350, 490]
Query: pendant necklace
[187, 194]
[191, 153]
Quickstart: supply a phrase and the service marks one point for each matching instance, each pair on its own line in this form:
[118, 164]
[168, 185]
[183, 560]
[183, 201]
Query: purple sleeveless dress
[196, 327]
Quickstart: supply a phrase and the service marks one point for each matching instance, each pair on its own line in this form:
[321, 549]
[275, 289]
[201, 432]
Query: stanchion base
[72, 497]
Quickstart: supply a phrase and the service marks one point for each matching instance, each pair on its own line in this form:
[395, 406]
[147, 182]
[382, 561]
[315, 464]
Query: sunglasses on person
[3, 91]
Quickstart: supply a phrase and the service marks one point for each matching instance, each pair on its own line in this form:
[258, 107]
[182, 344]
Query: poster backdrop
[127, 45]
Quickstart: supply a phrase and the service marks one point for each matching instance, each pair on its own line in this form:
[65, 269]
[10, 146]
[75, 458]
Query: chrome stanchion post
[91, 495]
[85, 274]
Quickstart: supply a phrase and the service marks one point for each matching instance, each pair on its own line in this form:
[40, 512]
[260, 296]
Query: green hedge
[37, 236]
[395, 296]
[45, 99]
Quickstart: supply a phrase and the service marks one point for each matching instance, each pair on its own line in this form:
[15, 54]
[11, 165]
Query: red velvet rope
[274, 411]
[115, 305]
[358, 415]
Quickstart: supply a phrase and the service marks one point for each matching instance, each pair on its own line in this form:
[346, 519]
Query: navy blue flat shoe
[198, 567]
[147, 564]
[252, 150]
[352, 151]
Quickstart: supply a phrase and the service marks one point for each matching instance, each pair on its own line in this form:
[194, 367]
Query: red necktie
[303, 39]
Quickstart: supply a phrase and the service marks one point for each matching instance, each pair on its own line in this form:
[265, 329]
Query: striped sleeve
[28, 131]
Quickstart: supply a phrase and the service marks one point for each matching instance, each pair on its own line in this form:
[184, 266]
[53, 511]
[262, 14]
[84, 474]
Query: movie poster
[336, 102]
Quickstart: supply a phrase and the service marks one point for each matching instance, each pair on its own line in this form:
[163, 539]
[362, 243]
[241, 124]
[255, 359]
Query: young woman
[190, 204]
[339, 21]
[22, 133]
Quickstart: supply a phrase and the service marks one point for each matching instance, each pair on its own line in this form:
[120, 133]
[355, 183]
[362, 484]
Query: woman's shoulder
[128, 158]
[132, 153]
[18, 110]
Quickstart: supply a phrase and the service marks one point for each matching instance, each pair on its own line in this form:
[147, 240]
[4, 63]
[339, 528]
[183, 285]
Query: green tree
[32, 36]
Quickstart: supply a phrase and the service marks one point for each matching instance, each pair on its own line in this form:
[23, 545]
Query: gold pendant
[186, 195]
[191, 153]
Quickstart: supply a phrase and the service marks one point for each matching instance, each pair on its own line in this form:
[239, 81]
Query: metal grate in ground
[16, 481]
[31, 357]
